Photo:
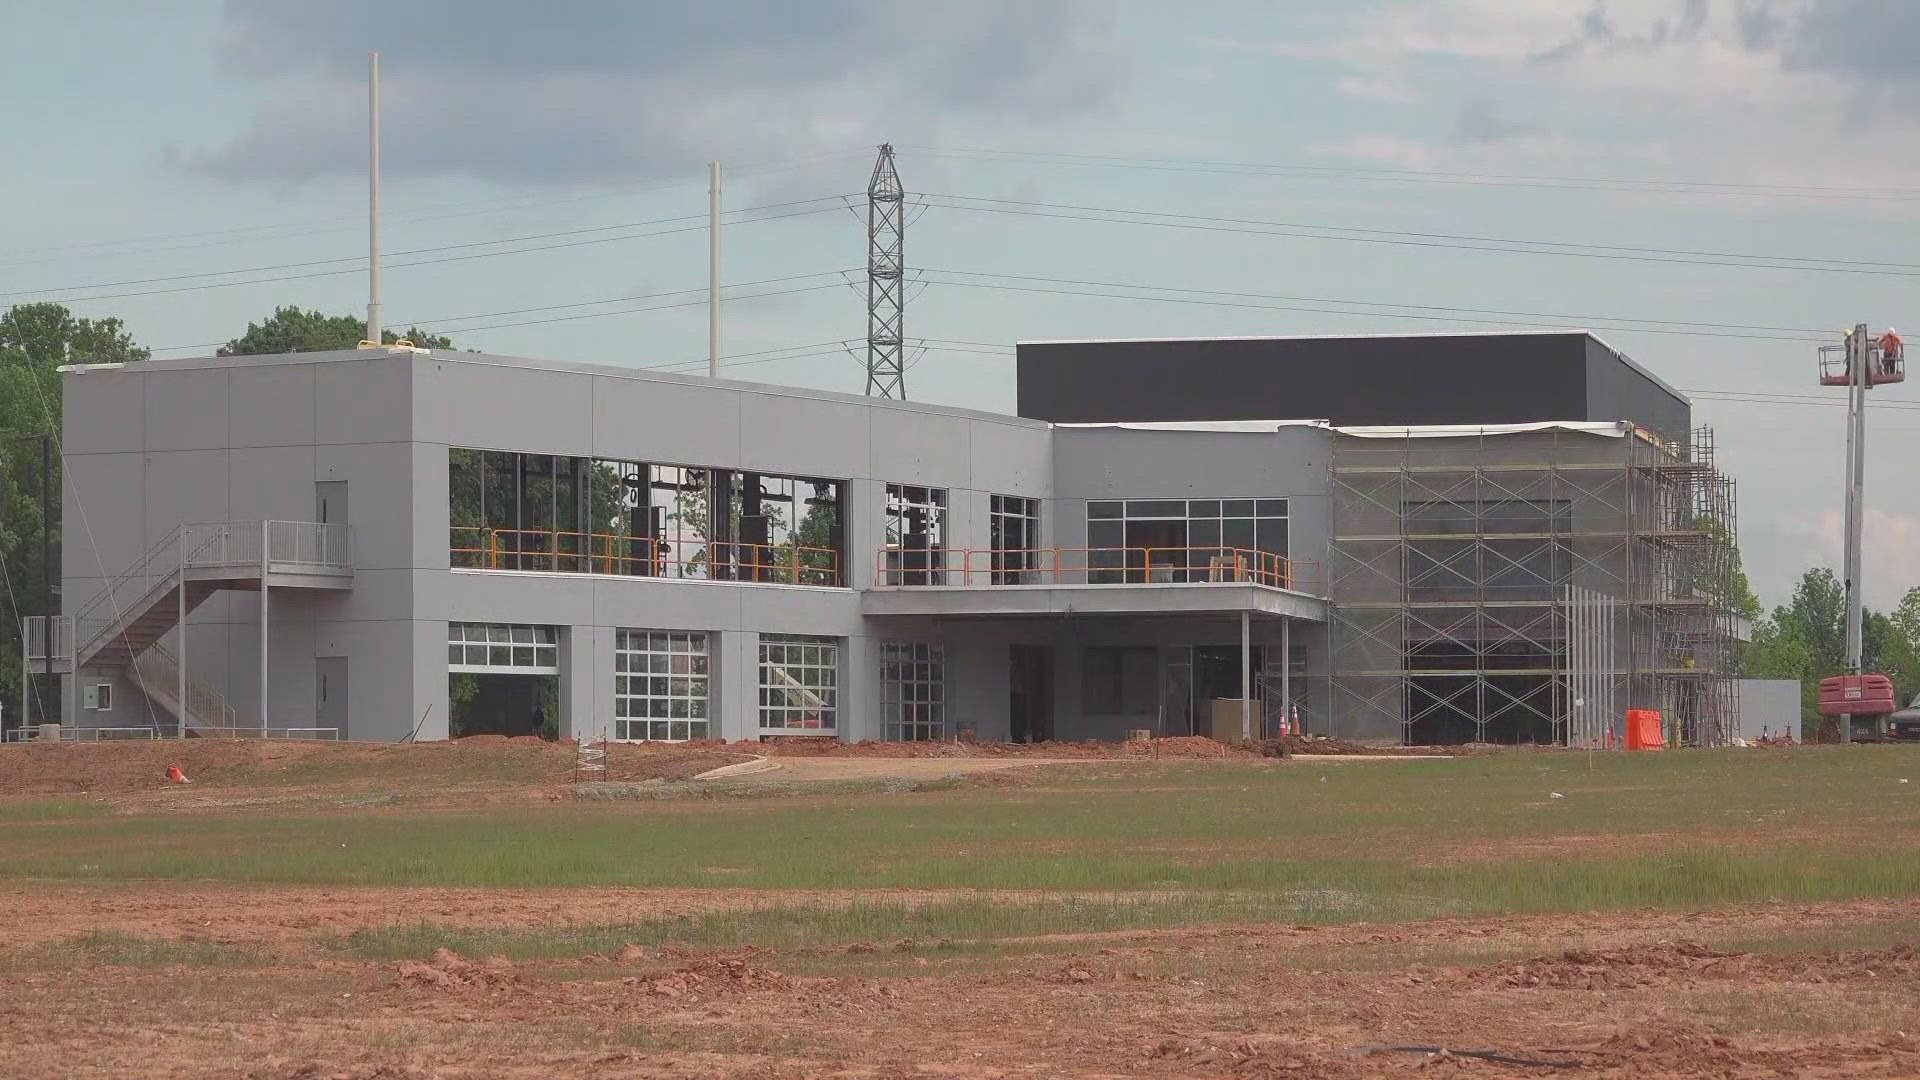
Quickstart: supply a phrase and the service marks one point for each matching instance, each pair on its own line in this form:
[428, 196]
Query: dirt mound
[1287, 745]
[1668, 962]
[1608, 969]
[715, 975]
[1660, 1049]
[449, 972]
[1175, 746]
[276, 764]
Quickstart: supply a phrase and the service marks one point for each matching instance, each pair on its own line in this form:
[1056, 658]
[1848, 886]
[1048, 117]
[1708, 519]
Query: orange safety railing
[1087, 566]
[474, 547]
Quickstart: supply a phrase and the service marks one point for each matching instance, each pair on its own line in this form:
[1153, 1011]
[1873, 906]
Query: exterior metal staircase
[121, 628]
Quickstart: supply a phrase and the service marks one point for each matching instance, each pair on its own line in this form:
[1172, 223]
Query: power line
[1818, 335]
[618, 299]
[1339, 311]
[1337, 172]
[431, 250]
[415, 215]
[635, 310]
[1400, 238]
[430, 262]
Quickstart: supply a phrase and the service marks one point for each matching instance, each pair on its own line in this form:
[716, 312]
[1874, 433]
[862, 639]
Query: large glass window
[661, 685]
[1120, 680]
[1164, 540]
[799, 684]
[913, 691]
[1013, 531]
[513, 511]
[503, 649]
[916, 535]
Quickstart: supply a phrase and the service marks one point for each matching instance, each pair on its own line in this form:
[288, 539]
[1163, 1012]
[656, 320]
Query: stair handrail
[92, 632]
[142, 567]
[206, 705]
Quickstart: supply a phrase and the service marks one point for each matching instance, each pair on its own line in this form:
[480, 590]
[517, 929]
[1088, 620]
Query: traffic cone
[175, 776]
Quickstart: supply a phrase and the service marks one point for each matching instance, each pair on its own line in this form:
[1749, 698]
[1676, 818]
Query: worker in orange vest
[1890, 349]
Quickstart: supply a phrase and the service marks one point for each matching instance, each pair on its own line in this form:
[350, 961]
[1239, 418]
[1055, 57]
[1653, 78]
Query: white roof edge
[1310, 337]
[1255, 427]
[1617, 429]
[1610, 428]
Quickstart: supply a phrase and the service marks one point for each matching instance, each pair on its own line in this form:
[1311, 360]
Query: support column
[1286, 673]
[263, 655]
[180, 621]
[1246, 675]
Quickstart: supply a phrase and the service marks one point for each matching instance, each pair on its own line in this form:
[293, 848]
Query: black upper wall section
[1437, 379]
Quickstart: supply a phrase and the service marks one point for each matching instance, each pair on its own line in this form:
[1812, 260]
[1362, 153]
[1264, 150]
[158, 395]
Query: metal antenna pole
[373, 198]
[713, 269]
[886, 271]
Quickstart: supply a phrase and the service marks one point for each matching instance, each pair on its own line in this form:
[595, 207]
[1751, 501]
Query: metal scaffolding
[1529, 586]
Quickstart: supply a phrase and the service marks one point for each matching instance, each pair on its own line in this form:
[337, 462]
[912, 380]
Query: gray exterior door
[330, 696]
[331, 499]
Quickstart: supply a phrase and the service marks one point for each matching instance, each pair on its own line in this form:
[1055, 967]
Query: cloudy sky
[1712, 185]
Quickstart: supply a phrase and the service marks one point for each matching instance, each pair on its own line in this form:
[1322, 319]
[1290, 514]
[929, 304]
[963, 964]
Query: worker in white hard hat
[1890, 349]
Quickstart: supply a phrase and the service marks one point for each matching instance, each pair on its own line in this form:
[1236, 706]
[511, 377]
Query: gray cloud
[1597, 34]
[1481, 122]
[1867, 41]
[592, 89]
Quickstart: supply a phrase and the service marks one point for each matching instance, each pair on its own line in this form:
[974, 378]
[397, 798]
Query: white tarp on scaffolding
[1609, 428]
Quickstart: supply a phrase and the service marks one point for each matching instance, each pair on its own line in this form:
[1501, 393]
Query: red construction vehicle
[1865, 699]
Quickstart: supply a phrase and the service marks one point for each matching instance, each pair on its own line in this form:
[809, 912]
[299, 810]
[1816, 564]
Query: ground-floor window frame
[913, 691]
[662, 685]
[799, 677]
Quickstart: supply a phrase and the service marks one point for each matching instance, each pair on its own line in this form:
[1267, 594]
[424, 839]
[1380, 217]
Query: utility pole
[1857, 384]
[713, 270]
[886, 280]
[373, 199]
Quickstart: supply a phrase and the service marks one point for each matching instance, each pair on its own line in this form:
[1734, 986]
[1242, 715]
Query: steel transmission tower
[886, 267]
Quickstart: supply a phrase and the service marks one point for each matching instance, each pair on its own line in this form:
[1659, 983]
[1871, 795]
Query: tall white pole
[373, 197]
[713, 269]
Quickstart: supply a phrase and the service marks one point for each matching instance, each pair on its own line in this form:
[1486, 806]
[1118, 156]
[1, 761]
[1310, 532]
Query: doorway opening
[510, 705]
[503, 679]
[1030, 693]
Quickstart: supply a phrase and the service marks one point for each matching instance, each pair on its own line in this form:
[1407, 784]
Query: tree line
[35, 341]
[1806, 639]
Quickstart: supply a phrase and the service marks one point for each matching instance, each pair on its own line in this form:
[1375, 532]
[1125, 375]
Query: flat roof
[1635, 365]
[599, 370]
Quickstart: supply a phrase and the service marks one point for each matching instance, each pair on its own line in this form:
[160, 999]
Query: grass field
[980, 876]
[1386, 840]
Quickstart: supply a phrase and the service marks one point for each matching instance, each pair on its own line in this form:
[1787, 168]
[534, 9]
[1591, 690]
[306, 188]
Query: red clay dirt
[120, 766]
[1182, 746]
[1435, 998]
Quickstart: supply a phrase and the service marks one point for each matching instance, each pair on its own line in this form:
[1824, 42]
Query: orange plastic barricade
[1643, 730]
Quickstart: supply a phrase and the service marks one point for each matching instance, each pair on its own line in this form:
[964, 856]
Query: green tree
[35, 340]
[1806, 639]
[291, 329]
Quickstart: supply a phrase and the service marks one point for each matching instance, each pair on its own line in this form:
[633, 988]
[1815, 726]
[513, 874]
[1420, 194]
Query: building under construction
[1435, 539]
[1527, 536]
[1526, 585]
